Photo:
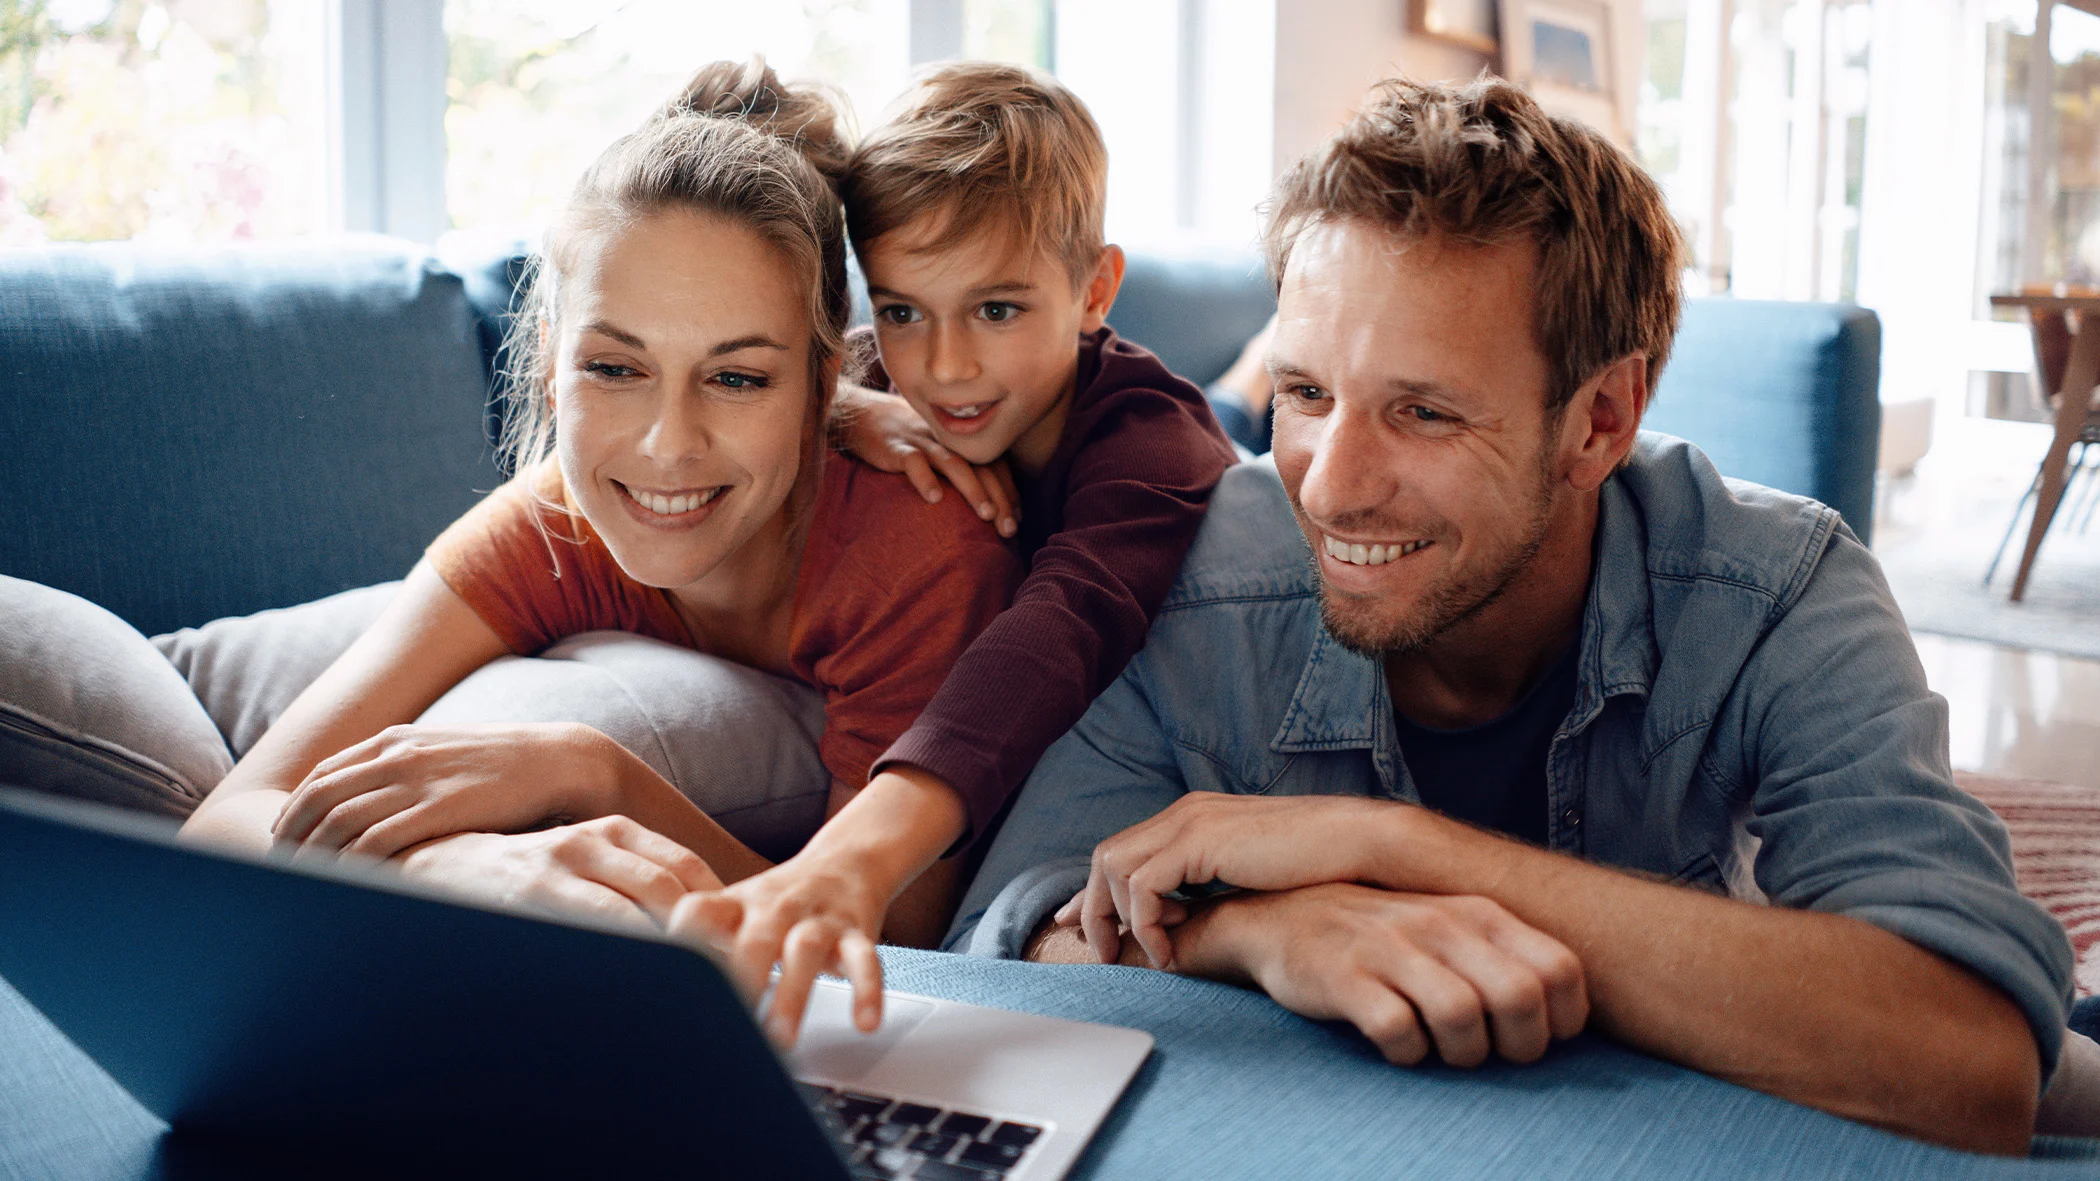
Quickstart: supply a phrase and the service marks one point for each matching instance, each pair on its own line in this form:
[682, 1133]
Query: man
[1549, 711]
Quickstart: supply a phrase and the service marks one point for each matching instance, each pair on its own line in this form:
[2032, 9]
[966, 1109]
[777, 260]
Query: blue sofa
[190, 434]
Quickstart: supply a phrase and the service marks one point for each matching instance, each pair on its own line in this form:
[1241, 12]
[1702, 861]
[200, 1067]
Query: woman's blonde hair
[736, 143]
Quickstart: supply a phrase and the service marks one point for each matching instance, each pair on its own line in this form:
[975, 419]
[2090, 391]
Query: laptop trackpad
[831, 1047]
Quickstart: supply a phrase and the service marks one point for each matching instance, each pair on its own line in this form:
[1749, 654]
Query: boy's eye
[897, 313]
[998, 311]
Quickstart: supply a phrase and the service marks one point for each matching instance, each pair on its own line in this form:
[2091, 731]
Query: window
[200, 121]
[536, 90]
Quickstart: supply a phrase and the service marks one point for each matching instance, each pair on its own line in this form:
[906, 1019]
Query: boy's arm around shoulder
[1136, 495]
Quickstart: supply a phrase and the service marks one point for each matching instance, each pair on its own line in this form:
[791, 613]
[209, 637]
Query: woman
[671, 482]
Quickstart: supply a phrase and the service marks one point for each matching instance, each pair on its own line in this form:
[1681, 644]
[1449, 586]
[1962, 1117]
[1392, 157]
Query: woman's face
[682, 398]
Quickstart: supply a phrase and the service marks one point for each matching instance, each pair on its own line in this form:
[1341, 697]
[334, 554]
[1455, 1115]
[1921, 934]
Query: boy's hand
[884, 432]
[807, 915]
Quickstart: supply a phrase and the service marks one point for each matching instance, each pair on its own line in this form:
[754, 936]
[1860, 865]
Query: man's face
[1411, 427]
[981, 338]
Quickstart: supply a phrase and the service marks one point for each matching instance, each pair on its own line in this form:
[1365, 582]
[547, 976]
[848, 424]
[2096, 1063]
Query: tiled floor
[2016, 712]
[2012, 711]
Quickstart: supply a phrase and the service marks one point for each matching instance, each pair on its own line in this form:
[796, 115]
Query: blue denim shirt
[1750, 717]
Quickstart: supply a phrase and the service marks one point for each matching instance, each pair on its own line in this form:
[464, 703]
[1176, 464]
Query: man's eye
[1425, 414]
[742, 381]
[896, 313]
[1306, 393]
[998, 312]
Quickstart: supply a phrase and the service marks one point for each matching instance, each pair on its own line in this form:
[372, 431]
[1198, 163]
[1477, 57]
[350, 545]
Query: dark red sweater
[1104, 528]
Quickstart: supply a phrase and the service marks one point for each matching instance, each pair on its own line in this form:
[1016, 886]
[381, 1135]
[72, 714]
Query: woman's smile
[679, 508]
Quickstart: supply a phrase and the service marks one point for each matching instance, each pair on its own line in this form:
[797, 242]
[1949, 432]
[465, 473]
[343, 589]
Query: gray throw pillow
[88, 708]
[739, 743]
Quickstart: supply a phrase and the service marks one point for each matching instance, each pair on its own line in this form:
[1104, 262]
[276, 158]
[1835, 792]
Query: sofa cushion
[739, 743]
[196, 433]
[89, 708]
[1195, 309]
[1781, 394]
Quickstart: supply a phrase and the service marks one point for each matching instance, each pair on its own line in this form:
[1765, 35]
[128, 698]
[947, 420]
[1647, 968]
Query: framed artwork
[1562, 52]
[1470, 23]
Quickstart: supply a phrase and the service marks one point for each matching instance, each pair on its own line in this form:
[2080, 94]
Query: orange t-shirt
[890, 592]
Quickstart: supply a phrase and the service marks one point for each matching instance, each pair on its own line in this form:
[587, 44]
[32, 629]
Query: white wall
[1329, 52]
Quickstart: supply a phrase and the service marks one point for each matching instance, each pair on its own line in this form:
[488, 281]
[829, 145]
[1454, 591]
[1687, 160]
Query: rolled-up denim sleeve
[1112, 770]
[1855, 806]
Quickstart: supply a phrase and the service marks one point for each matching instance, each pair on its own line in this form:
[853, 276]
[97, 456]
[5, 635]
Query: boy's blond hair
[984, 146]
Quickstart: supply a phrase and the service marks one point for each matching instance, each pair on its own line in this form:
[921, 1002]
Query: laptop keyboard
[890, 1139]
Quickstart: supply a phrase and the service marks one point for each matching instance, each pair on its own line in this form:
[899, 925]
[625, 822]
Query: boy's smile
[983, 338]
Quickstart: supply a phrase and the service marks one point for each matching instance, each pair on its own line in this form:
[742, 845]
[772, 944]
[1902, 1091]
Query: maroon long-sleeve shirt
[1104, 527]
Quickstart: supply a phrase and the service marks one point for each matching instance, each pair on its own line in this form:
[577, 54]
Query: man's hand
[1456, 976]
[411, 784]
[610, 867]
[1253, 842]
[806, 914]
[884, 432]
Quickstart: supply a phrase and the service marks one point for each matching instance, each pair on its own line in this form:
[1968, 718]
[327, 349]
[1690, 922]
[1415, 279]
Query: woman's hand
[410, 784]
[610, 867]
[809, 915]
[883, 431]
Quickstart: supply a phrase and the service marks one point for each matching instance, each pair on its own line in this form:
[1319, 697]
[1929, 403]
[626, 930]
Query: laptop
[344, 1014]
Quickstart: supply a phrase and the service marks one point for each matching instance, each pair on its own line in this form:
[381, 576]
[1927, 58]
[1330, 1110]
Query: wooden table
[2073, 373]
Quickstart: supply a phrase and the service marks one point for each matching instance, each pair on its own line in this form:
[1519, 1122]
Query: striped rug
[2055, 830]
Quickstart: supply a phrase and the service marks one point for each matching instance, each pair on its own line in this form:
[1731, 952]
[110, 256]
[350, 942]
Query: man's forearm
[1827, 1011]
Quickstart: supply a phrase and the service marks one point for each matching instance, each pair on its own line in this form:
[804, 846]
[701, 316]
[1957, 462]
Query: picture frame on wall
[1562, 52]
[1470, 23]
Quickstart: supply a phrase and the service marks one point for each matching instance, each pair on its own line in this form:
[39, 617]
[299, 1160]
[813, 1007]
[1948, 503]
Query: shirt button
[1572, 818]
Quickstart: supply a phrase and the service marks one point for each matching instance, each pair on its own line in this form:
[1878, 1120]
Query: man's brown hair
[1483, 165]
[984, 146]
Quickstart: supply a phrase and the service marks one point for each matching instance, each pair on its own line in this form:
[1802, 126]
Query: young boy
[976, 213]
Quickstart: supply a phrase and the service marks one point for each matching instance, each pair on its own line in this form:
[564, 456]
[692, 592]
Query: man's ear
[1101, 289]
[1602, 419]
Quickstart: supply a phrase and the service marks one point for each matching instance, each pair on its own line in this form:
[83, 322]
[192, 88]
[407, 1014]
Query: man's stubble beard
[1449, 604]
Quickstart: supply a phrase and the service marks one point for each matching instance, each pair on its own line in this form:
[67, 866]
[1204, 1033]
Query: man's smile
[1357, 553]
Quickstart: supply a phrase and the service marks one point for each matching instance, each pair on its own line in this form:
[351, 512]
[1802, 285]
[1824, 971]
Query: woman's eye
[998, 312]
[896, 313]
[607, 369]
[742, 381]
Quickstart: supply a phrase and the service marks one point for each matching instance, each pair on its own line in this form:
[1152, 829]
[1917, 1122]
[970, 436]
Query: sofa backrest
[191, 433]
[1781, 394]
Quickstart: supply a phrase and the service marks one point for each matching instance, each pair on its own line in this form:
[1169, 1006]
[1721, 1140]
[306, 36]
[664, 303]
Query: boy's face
[983, 338]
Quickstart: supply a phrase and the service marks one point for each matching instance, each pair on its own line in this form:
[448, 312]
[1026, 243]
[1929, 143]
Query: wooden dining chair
[2055, 337]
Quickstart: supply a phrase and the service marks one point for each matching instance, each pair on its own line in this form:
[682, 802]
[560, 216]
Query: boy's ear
[1101, 289]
